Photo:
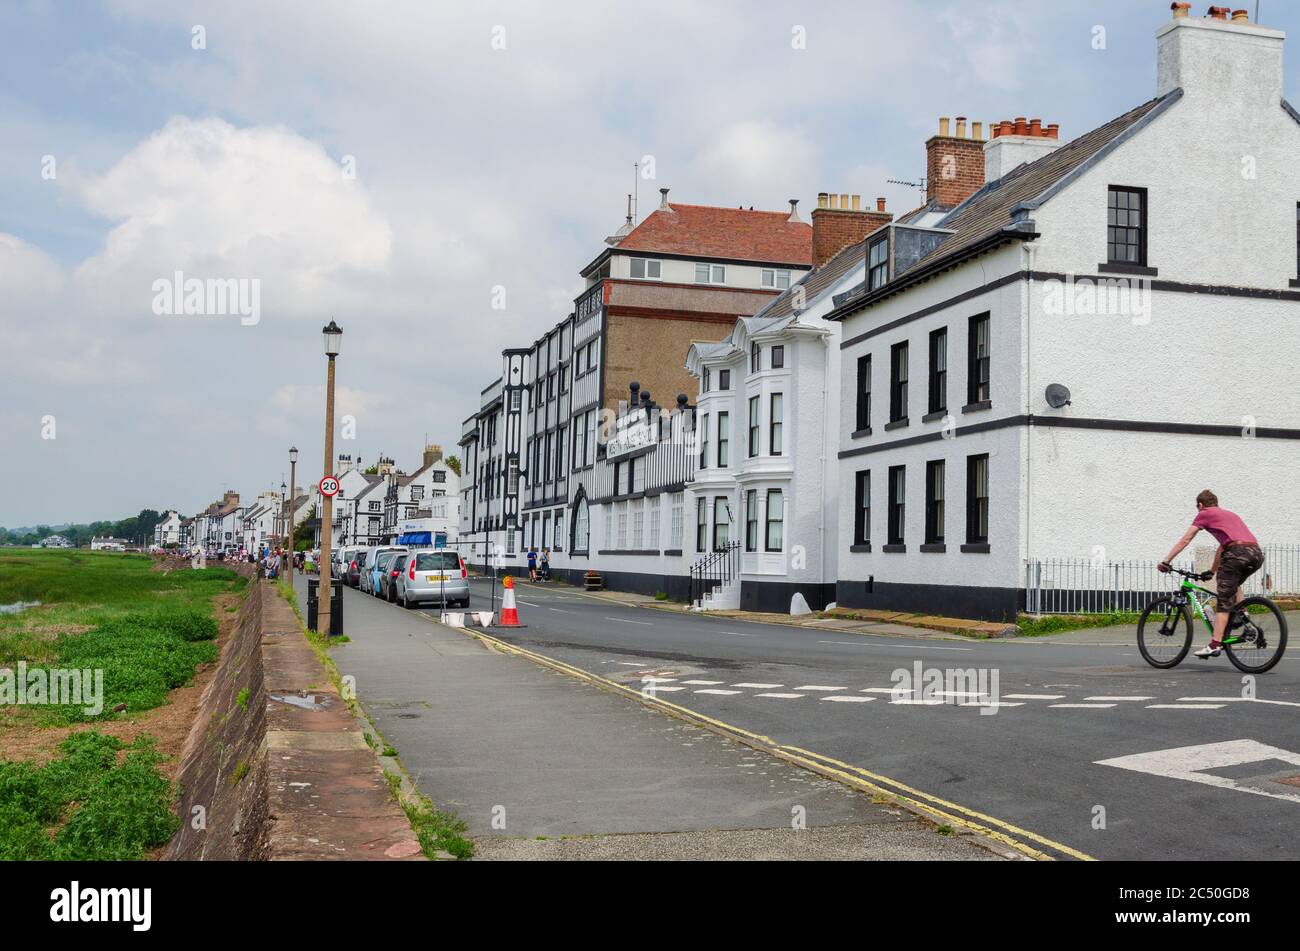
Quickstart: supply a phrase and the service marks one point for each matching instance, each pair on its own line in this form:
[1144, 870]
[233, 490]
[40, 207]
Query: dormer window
[710, 274]
[646, 269]
[775, 278]
[878, 263]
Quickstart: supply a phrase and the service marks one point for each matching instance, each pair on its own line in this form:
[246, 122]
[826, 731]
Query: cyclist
[1238, 557]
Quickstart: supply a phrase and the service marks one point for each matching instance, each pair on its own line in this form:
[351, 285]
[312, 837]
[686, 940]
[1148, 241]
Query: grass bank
[126, 635]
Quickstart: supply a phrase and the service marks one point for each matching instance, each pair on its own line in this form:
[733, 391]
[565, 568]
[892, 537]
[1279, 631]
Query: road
[1209, 774]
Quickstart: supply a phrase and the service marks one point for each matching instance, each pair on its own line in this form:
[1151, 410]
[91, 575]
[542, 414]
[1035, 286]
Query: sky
[401, 167]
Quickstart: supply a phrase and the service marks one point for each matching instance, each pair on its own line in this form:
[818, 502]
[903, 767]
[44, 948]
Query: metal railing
[714, 570]
[1089, 586]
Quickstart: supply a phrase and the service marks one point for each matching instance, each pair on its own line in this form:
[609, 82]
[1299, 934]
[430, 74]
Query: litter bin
[336, 606]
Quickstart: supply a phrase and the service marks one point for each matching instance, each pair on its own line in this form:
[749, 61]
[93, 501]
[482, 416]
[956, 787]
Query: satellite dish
[1057, 395]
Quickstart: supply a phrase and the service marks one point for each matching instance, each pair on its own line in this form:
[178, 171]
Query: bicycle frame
[1191, 594]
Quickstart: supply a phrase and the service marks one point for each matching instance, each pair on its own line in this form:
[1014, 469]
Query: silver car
[383, 579]
[369, 576]
[431, 575]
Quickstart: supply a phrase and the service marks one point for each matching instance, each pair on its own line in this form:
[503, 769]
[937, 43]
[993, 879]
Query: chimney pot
[823, 200]
[961, 127]
[1035, 126]
[856, 201]
[977, 131]
[1021, 126]
[1240, 16]
[663, 200]
[1180, 9]
[844, 201]
[880, 204]
[794, 210]
[943, 125]
[1053, 130]
[1219, 13]
[1005, 127]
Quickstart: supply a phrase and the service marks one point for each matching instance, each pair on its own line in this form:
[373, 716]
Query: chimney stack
[432, 454]
[663, 200]
[1224, 63]
[954, 164]
[1016, 142]
[839, 221]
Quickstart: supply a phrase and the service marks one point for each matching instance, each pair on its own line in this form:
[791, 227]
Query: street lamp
[293, 498]
[333, 335]
[280, 528]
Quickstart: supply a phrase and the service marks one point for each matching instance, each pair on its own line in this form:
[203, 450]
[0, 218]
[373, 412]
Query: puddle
[18, 607]
[304, 703]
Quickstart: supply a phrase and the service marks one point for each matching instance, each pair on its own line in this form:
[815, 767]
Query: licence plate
[435, 577]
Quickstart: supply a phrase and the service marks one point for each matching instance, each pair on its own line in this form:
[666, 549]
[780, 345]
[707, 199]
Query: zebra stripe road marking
[818, 687]
[759, 686]
[1184, 706]
[1083, 706]
[702, 683]
[1034, 696]
[1119, 698]
[849, 698]
[782, 696]
[723, 693]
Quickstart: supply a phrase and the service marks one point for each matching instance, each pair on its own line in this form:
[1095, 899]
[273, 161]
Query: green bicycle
[1255, 639]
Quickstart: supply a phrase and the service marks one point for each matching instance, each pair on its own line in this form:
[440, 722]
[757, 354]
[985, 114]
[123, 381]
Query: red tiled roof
[735, 233]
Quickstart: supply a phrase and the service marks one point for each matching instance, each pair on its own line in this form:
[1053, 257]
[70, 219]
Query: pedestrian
[546, 564]
[532, 563]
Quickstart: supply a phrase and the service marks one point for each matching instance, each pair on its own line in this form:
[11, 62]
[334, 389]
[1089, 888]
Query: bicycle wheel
[1164, 633]
[1263, 637]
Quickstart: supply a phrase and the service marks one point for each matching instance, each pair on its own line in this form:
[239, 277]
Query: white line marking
[1119, 698]
[559, 610]
[1192, 763]
[818, 687]
[703, 683]
[1184, 706]
[658, 689]
[624, 620]
[881, 690]
[529, 603]
[996, 704]
[782, 696]
[1083, 706]
[909, 646]
[628, 663]
[850, 698]
[723, 693]
[919, 703]
[759, 686]
[1034, 696]
[1280, 703]
[669, 680]
[739, 634]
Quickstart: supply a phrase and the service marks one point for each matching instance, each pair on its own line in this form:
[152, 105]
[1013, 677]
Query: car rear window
[386, 558]
[436, 560]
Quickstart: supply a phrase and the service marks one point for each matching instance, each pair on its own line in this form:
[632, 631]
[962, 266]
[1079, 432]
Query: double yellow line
[932, 807]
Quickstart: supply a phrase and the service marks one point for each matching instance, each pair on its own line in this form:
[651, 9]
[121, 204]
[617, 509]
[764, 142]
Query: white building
[168, 532]
[107, 543]
[1149, 267]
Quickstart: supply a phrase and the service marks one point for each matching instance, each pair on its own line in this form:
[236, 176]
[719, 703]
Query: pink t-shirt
[1225, 526]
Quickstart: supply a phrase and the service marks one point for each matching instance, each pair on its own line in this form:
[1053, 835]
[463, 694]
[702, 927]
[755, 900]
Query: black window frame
[938, 401]
[775, 426]
[878, 272]
[974, 512]
[755, 358]
[720, 508]
[751, 520]
[862, 507]
[935, 493]
[704, 441]
[701, 524]
[898, 407]
[776, 356]
[755, 421]
[768, 521]
[863, 418]
[897, 530]
[724, 379]
[979, 386]
[724, 439]
[1134, 236]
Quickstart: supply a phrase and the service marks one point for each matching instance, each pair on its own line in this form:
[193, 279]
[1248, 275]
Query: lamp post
[333, 337]
[293, 499]
[279, 528]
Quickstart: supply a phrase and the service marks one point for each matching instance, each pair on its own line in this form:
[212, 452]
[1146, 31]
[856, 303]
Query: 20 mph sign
[329, 486]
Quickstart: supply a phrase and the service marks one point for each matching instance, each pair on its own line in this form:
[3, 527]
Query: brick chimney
[1222, 62]
[432, 454]
[839, 221]
[954, 163]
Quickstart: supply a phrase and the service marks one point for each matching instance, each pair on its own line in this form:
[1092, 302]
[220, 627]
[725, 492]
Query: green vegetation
[88, 804]
[146, 631]
[137, 529]
[438, 831]
[242, 699]
[1036, 625]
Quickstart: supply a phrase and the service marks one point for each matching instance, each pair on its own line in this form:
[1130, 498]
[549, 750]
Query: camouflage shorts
[1237, 563]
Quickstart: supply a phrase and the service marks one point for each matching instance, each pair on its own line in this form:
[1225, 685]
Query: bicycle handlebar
[1194, 575]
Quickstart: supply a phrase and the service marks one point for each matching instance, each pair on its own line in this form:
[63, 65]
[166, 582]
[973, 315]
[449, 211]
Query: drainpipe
[1025, 311]
[821, 460]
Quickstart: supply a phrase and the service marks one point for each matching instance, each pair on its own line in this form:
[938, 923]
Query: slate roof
[990, 211]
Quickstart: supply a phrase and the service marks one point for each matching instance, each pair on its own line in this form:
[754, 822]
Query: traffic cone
[509, 613]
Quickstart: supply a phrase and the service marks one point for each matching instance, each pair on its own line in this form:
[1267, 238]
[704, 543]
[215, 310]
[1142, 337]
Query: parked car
[388, 577]
[431, 575]
[338, 560]
[356, 567]
[378, 564]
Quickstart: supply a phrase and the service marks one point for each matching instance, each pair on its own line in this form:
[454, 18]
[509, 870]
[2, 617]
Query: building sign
[631, 433]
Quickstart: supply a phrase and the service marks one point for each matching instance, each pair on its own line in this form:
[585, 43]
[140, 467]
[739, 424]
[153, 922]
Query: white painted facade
[1190, 387]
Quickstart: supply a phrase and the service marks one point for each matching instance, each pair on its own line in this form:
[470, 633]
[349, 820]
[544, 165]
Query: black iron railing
[714, 570]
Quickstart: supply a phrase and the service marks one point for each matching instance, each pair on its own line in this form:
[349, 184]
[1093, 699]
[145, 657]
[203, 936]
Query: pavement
[542, 763]
[1086, 752]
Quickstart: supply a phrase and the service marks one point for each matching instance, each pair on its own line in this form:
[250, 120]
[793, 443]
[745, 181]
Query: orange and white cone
[509, 613]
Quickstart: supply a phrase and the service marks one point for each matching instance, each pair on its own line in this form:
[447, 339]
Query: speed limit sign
[329, 486]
